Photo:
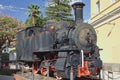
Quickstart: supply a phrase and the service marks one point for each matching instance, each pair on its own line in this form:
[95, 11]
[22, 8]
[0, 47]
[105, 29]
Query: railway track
[31, 76]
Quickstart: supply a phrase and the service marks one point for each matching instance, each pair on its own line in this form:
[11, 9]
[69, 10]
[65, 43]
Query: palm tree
[34, 12]
[59, 10]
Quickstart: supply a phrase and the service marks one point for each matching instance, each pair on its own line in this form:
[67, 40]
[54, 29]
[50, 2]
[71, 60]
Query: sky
[18, 8]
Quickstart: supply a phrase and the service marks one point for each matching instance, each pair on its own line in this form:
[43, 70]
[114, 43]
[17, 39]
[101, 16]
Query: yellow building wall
[104, 4]
[93, 9]
[105, 7]
[108, 39]
[107, 34]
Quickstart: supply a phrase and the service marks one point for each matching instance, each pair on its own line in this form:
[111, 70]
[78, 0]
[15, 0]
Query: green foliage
[8, 29]
[6, 72]
[34, 10]
[39, 21]
[28, 22]
[9, 22]
[34, 14]
[59, 10]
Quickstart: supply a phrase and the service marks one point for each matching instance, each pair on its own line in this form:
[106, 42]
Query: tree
[39, 21]
[59, 10]
[8, 29]
[33, 12]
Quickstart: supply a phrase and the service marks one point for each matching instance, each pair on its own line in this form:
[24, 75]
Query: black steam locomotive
[69, 49]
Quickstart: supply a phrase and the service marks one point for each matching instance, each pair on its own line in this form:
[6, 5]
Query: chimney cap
[78, 5]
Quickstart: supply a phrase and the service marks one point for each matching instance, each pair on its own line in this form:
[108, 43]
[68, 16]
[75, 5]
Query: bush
[6, 72]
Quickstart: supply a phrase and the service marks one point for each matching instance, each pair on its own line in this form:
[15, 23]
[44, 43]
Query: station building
[105, 17]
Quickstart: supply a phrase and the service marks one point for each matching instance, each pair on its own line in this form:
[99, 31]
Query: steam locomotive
[61, 49]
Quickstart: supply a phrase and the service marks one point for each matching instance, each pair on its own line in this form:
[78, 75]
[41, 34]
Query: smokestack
[78, 11]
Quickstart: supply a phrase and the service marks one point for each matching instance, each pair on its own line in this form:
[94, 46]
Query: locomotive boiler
[61, 48]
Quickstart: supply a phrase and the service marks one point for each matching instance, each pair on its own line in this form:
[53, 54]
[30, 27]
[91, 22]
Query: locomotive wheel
[35, 67]
[83, 33]
[43, 71]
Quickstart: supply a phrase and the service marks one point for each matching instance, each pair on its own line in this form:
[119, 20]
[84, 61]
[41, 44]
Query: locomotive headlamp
[52, 27]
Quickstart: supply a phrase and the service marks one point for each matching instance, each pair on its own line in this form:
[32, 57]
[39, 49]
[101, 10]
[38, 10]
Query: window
[97, 7]
[31, 32]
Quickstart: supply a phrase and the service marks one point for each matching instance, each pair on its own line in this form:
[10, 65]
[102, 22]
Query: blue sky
[18, 8]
